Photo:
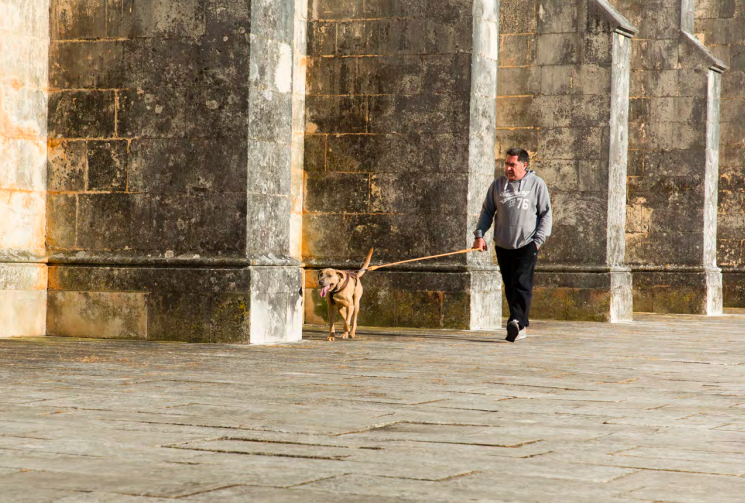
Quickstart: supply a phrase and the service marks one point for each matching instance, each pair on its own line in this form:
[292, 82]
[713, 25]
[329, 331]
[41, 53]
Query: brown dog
[345, 291]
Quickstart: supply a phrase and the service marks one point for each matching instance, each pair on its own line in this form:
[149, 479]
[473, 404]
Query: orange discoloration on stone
[9, 129]
[23, 226]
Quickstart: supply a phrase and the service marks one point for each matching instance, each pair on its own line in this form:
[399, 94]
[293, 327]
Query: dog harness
[338, 289]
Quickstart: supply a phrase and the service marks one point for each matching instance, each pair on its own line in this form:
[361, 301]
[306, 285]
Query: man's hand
[480, 245]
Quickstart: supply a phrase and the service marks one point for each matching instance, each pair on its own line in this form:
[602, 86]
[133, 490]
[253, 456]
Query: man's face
[514, 169]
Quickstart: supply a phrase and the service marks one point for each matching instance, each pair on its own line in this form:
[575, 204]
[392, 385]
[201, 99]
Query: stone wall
[24, 45]
[169, 174]
[400, 114]
[671, 224]
[563, 95]
[162, 157]
[721, 26]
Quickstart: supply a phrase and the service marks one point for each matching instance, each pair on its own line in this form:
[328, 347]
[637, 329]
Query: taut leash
[468, 250]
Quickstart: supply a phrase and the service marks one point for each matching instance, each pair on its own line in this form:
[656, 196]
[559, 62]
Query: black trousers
[517, 268]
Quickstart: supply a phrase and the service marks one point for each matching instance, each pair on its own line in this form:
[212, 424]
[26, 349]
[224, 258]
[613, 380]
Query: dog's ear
[341, 276]
[320, 274]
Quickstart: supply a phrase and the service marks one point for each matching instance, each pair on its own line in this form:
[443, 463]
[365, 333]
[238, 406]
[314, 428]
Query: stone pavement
[579, 412]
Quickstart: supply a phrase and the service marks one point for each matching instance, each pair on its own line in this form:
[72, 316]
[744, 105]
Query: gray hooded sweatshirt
[522, 209]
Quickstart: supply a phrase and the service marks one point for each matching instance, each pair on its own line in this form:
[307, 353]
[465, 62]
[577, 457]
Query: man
[522, 207]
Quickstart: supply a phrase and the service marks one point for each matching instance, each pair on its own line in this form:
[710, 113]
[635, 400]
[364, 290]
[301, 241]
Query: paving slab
[646, 411]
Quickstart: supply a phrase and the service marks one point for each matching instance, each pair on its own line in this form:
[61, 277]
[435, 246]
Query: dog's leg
[347, 321]
[331, 322]
[354, 319]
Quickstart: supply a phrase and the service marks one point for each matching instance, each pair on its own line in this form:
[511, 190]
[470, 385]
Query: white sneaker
[521, 335]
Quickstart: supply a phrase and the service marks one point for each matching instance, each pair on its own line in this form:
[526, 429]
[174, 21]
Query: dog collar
[343, 286]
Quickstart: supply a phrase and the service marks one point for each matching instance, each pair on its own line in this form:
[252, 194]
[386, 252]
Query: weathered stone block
[336, 114]
[267, 168]
[67, 161]
[188, 224]
[558, 49]
[422, 194]
[22, 313]
[156, 18]
[419, 114]
[338, 192]
[227, 17]
[572, 296]
[394, 8]
[734, 289]
[334, 9]
[449, 37]
[518, 81]
[107, 166]
[337, 76]
[22, 299]
[550, 111]
[514, 50]
[105, 221]
[230, 319]
[23, 222]
[178, 317]
[93, 64]
[391, 75]
[655, 54]
[187, 165]
[314, 153]
[395, 36]
[670, 292]
[188, 112]
[268, 226]
[273, 20]
[23, 164]
[507, 138]
[557, 16]
[517, 16]
[276, 304]
[596, 49]
[350, 38]
[61, 221]
[97, 314]
[397, 152]
[515, 111]
[221, 62]
[692, 82]
[81, 114]
[77, 19]
[149, 63]
[321, 38]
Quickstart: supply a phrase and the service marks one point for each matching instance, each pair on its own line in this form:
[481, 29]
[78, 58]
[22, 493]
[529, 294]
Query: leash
[375, 267]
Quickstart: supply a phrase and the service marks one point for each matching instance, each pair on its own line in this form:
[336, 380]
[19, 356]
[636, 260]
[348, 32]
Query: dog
[345, 290]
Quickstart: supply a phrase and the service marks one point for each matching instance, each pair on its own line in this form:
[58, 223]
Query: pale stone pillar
[24, 30]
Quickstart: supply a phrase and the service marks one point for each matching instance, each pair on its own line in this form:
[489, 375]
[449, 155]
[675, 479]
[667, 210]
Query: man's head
[516, 164]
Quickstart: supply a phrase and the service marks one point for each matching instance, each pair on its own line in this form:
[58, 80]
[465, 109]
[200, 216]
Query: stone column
[171, 178]
[276, 276]
[721, 26]
[24, 31]
[564, 88]
[399, 155]
[673, 152]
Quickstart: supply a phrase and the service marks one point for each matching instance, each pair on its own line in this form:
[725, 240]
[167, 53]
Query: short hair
[521, 153]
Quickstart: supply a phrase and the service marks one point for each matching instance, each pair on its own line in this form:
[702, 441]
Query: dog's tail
[367, 263]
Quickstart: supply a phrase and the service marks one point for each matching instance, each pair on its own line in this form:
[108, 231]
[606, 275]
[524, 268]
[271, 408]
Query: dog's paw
[330, 338]
[345, 335]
